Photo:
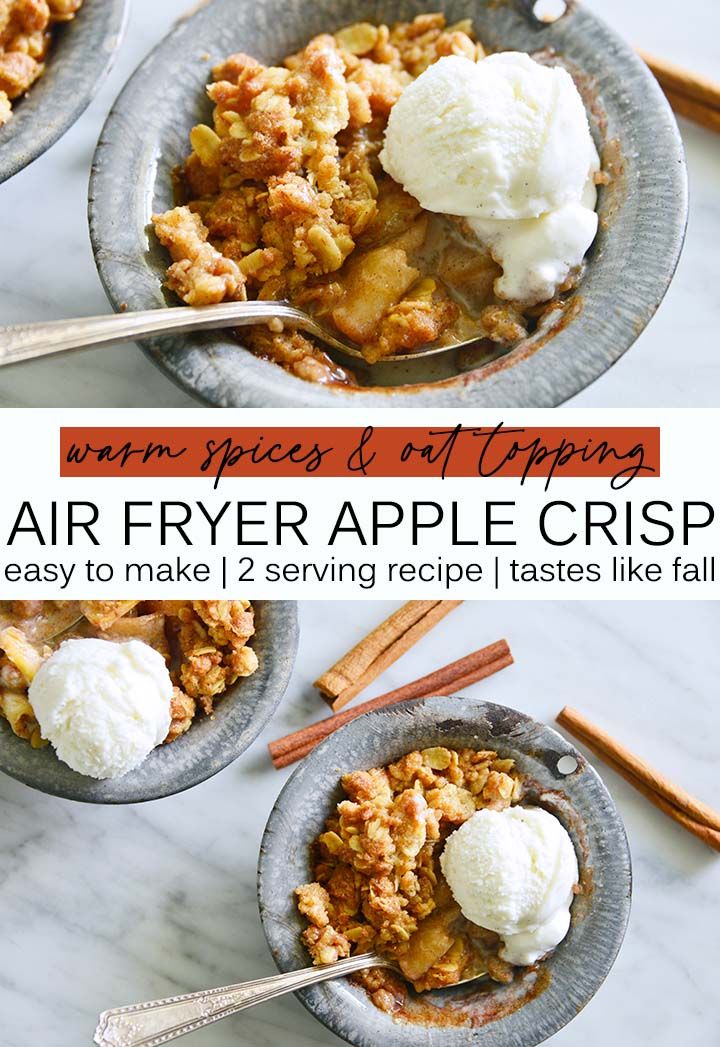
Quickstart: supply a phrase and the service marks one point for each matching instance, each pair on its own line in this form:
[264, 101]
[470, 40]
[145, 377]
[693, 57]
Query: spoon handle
[160, 1021]
[29, 341]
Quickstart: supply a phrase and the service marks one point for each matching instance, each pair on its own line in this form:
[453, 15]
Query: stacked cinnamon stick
[357, 669]
[364, 663]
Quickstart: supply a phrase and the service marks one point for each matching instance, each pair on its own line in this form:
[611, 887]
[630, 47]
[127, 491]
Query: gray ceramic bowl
[208, 746]
[81, 54]
[643, 213]
[496, 1016]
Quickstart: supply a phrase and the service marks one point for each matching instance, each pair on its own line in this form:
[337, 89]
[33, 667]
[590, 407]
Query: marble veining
[674, 363]
[110, 906]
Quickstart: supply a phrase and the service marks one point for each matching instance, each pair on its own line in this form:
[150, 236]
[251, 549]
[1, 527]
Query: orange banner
[502, 450]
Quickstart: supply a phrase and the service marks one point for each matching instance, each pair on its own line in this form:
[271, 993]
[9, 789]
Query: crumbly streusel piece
[24, 42]
[325, 944]
[318, 90]
[232, 221]
[230, 624]
[301, 225]
[454, 803]
[503, 324]
[413, 322]
[365, 786]
[314, 902]
[182, 713]
[18, 71]
[421, 42]
[64, 10]
[212, 636]
[199, 275]
[256, 127]
[412, 822]
[295, 353]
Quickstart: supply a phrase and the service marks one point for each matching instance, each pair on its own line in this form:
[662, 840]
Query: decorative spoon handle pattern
[160, 1021]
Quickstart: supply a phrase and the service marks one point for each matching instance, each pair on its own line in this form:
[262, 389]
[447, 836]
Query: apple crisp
[204, 643]
[284, 197]
[378, 883]
[25, 37]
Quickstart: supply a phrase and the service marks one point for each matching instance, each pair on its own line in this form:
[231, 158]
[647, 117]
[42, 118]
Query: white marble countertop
[43, 230]
[106, 906]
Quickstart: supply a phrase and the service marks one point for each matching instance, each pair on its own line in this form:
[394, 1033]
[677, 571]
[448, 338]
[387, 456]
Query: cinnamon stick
[447, 674]
[701, 114]
[692, 85]
[285, 759]
[446, 680]
[691, 95]
[697, 817]
[357, 669]
[703, 832]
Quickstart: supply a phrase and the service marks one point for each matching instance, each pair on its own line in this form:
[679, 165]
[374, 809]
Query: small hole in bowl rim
[549, 11]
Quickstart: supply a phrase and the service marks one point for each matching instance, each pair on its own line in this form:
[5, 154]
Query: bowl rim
[37, 123]
[122, 791]
[468, 710]
[207, 367]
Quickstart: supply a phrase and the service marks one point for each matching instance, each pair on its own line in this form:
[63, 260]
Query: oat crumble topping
[284, 197]
[25, 38]
[378, 883]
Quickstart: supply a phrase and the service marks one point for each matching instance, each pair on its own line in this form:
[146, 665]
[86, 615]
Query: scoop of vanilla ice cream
[502, 138]
[504, 143]
[104, 706]
[538, 254]
[513, 872]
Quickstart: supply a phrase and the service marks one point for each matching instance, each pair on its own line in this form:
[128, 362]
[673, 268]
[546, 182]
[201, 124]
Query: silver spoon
[30, 341]
[159, 1021]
